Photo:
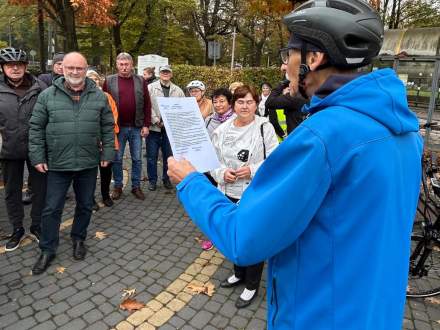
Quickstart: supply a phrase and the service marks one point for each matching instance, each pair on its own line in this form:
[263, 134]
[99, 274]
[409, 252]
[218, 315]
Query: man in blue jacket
[333, 205]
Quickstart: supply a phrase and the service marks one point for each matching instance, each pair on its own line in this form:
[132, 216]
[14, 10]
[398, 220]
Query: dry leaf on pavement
[207, 289]
[131, 305]
[128, 292]
[433, 300]
[60, 270]
[100, 235]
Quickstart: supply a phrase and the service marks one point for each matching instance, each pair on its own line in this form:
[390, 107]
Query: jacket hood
[380, 95]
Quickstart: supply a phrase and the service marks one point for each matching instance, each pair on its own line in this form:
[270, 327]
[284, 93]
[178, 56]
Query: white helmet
[196, 84]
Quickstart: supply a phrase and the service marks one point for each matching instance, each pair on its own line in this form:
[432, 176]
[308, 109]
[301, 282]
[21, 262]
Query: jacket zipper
[274, 299]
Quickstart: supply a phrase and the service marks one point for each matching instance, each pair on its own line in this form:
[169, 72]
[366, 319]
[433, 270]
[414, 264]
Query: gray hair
[124, 56]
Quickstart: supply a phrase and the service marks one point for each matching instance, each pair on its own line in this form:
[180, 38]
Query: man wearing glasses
[332, 208]
[18, 94]
[71, 133]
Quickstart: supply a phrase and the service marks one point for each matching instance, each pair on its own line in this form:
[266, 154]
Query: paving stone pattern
[150, 247]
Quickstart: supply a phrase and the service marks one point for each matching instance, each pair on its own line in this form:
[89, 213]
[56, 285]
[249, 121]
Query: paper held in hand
[187, 133]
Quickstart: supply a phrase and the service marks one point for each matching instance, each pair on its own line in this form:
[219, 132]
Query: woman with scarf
[221, 100]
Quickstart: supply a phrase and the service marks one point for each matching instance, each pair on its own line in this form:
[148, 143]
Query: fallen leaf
[433, 300]
[128, 292]
[207, 288]
[131, 305]
[210, 289]
[196, 288]
[100, 235]
[60, 270]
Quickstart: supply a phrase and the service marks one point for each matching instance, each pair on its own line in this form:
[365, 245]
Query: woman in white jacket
[242, 143]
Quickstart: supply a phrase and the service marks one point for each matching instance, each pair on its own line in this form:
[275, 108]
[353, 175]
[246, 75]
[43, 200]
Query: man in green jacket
[71, 133]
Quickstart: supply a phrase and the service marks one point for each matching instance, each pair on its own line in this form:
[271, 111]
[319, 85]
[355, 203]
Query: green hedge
[216, 77]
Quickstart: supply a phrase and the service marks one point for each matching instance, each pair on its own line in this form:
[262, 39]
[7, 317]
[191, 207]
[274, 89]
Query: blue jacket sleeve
[274, 210]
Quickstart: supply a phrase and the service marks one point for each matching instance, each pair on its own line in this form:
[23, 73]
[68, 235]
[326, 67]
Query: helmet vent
[339, 5]
[355, 42]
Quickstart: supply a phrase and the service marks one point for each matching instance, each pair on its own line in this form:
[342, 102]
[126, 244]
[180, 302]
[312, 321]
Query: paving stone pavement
[150, 246]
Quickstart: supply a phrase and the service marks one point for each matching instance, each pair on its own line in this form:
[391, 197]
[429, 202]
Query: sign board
[150, 60]
[214, 50]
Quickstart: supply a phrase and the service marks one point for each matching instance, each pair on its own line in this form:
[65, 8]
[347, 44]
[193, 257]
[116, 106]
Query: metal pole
[233, 49]
[215, 50]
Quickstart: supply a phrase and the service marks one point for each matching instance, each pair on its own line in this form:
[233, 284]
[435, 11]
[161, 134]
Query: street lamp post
[10, 30]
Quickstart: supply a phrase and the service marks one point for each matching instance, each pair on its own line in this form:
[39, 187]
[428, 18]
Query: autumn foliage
[90, 12]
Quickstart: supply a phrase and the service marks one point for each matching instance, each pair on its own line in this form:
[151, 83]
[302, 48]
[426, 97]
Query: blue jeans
[133, 136]
[154, 141]
[84, 183]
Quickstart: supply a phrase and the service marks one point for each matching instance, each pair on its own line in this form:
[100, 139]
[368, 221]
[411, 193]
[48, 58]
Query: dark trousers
[84, 183]
[154, 142]
[13, 180]
[251, 274]
[106, 178]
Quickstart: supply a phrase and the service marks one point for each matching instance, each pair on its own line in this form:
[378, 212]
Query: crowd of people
[74, 121]
[330, 208]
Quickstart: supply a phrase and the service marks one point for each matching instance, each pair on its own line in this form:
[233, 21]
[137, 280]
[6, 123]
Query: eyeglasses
[284, 54]
[243, 102]
[75, 68]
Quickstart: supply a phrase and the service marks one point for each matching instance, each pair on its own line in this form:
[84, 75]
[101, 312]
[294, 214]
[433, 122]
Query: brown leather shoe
[116, 194]
[137, 192]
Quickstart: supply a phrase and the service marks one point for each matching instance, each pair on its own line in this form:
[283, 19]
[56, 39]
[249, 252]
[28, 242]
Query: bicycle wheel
[424, 269]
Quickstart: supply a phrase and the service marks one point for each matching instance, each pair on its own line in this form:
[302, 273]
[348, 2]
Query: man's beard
[74, 81]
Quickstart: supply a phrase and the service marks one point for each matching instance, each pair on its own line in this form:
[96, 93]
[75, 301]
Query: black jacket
[292, 106]
[15, 113]
[48, 78]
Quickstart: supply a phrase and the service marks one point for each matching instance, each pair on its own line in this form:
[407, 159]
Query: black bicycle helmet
[349, 31]
[10, 54]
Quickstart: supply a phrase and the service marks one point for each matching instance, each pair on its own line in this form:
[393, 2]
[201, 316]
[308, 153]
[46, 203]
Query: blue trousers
[133, 136]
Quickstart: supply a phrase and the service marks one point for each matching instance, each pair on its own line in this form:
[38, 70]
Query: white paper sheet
[187, 133]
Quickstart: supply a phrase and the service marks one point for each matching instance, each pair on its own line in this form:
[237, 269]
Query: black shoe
[108, 202]
[167, 184]
[152, 186]
[14, 242]
[95, 207]
[35, 233]
[43, 263]
[79, 250]
[227, 284]
[27, 197]
[241, 303]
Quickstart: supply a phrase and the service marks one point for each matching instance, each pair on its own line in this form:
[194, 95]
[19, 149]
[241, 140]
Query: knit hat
[58, 57]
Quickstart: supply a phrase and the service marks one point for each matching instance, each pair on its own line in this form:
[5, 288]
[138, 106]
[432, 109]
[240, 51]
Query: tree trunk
[42, 47]
[116, 32]
[397, 20]
[393, 15]
[69, 27]
[96, 59]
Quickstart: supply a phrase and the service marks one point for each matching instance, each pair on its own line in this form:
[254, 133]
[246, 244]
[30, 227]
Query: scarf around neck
[222, 118]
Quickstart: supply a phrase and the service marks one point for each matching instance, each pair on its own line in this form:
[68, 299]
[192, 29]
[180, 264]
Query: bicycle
[424, 266]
